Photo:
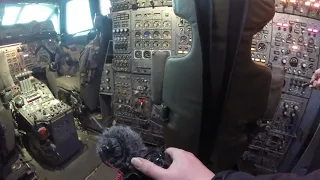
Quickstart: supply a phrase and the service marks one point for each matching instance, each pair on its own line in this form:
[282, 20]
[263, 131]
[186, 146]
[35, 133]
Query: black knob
[19, 103]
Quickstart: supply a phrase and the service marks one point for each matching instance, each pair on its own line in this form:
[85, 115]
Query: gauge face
[146, 44]
[184, 39]
[166, 24]
[138, 25]
[166, 45]
[147, 54]
[278, 34]
[156, 44]
[138, 34]
[311, 41]
[262, 47]
[156, 24]
[300, 39]
[146, 24]
[156, 34]
[166, 35]
[293, 62]
[138, 44]
[147, 34]
[188, 29]
[138, 54]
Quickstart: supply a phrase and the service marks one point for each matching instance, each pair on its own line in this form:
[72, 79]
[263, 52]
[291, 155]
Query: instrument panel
[291, 40]
[28, 46]
[141, 28]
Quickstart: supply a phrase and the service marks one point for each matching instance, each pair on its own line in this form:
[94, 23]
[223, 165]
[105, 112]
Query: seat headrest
[185, 9]
[259, 14]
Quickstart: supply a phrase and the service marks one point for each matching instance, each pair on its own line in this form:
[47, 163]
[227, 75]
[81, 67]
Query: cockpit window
[25, 13]
[105, 6]
[10, 15]
[78, 16]
[35, 12]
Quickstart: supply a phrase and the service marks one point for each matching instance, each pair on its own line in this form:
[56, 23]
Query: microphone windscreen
[119, 144]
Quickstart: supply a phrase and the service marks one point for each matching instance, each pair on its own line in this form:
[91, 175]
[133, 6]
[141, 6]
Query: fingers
[316, 75]
[148, 168]
[174, 152]
[316, 84]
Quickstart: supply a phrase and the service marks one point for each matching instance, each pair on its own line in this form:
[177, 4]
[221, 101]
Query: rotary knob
[285, 105]
[108, 87]
[285, 113]
[293, 115]
[303, 65]
[108, 79]
[296, 108]
[284, 61]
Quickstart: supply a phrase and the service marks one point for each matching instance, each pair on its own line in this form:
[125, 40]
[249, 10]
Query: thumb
[148, 168]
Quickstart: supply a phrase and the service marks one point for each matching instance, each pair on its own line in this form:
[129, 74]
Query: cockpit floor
[85, 166]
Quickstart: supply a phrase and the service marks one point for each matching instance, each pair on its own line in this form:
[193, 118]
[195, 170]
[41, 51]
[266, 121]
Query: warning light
[293, 1]
[263, 60]
[317, 5]
[253, 49]
[313, 0]
[315, 30]
[295, 47]
[279, 24]
[307, 3]
[309, 29]
[285, 25]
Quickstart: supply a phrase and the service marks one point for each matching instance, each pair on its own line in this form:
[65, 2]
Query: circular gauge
[166, 45]
[166, 35]
[262, 47]
[311, 41]
[278, 34]
[188, 29]
[184, 40]
[293, 62]
[156, 34]
[147, 34]
[147, 54]
[167, 24]
[146, 24]
[156, 24]
[146, 44]
[156, 44]
[138, 54]
[138, 44]
[138, 25]
[138, 34]
[300, 39]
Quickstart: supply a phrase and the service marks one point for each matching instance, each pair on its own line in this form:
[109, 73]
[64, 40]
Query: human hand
[185, 166]
[315, 80]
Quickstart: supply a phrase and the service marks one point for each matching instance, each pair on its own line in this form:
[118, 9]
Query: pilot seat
[246, 91]
[81, 88]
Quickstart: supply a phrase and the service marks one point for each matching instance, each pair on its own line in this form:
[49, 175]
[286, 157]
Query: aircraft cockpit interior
[86, 84]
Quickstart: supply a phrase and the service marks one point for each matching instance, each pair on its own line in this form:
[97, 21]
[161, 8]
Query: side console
[47, 122]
